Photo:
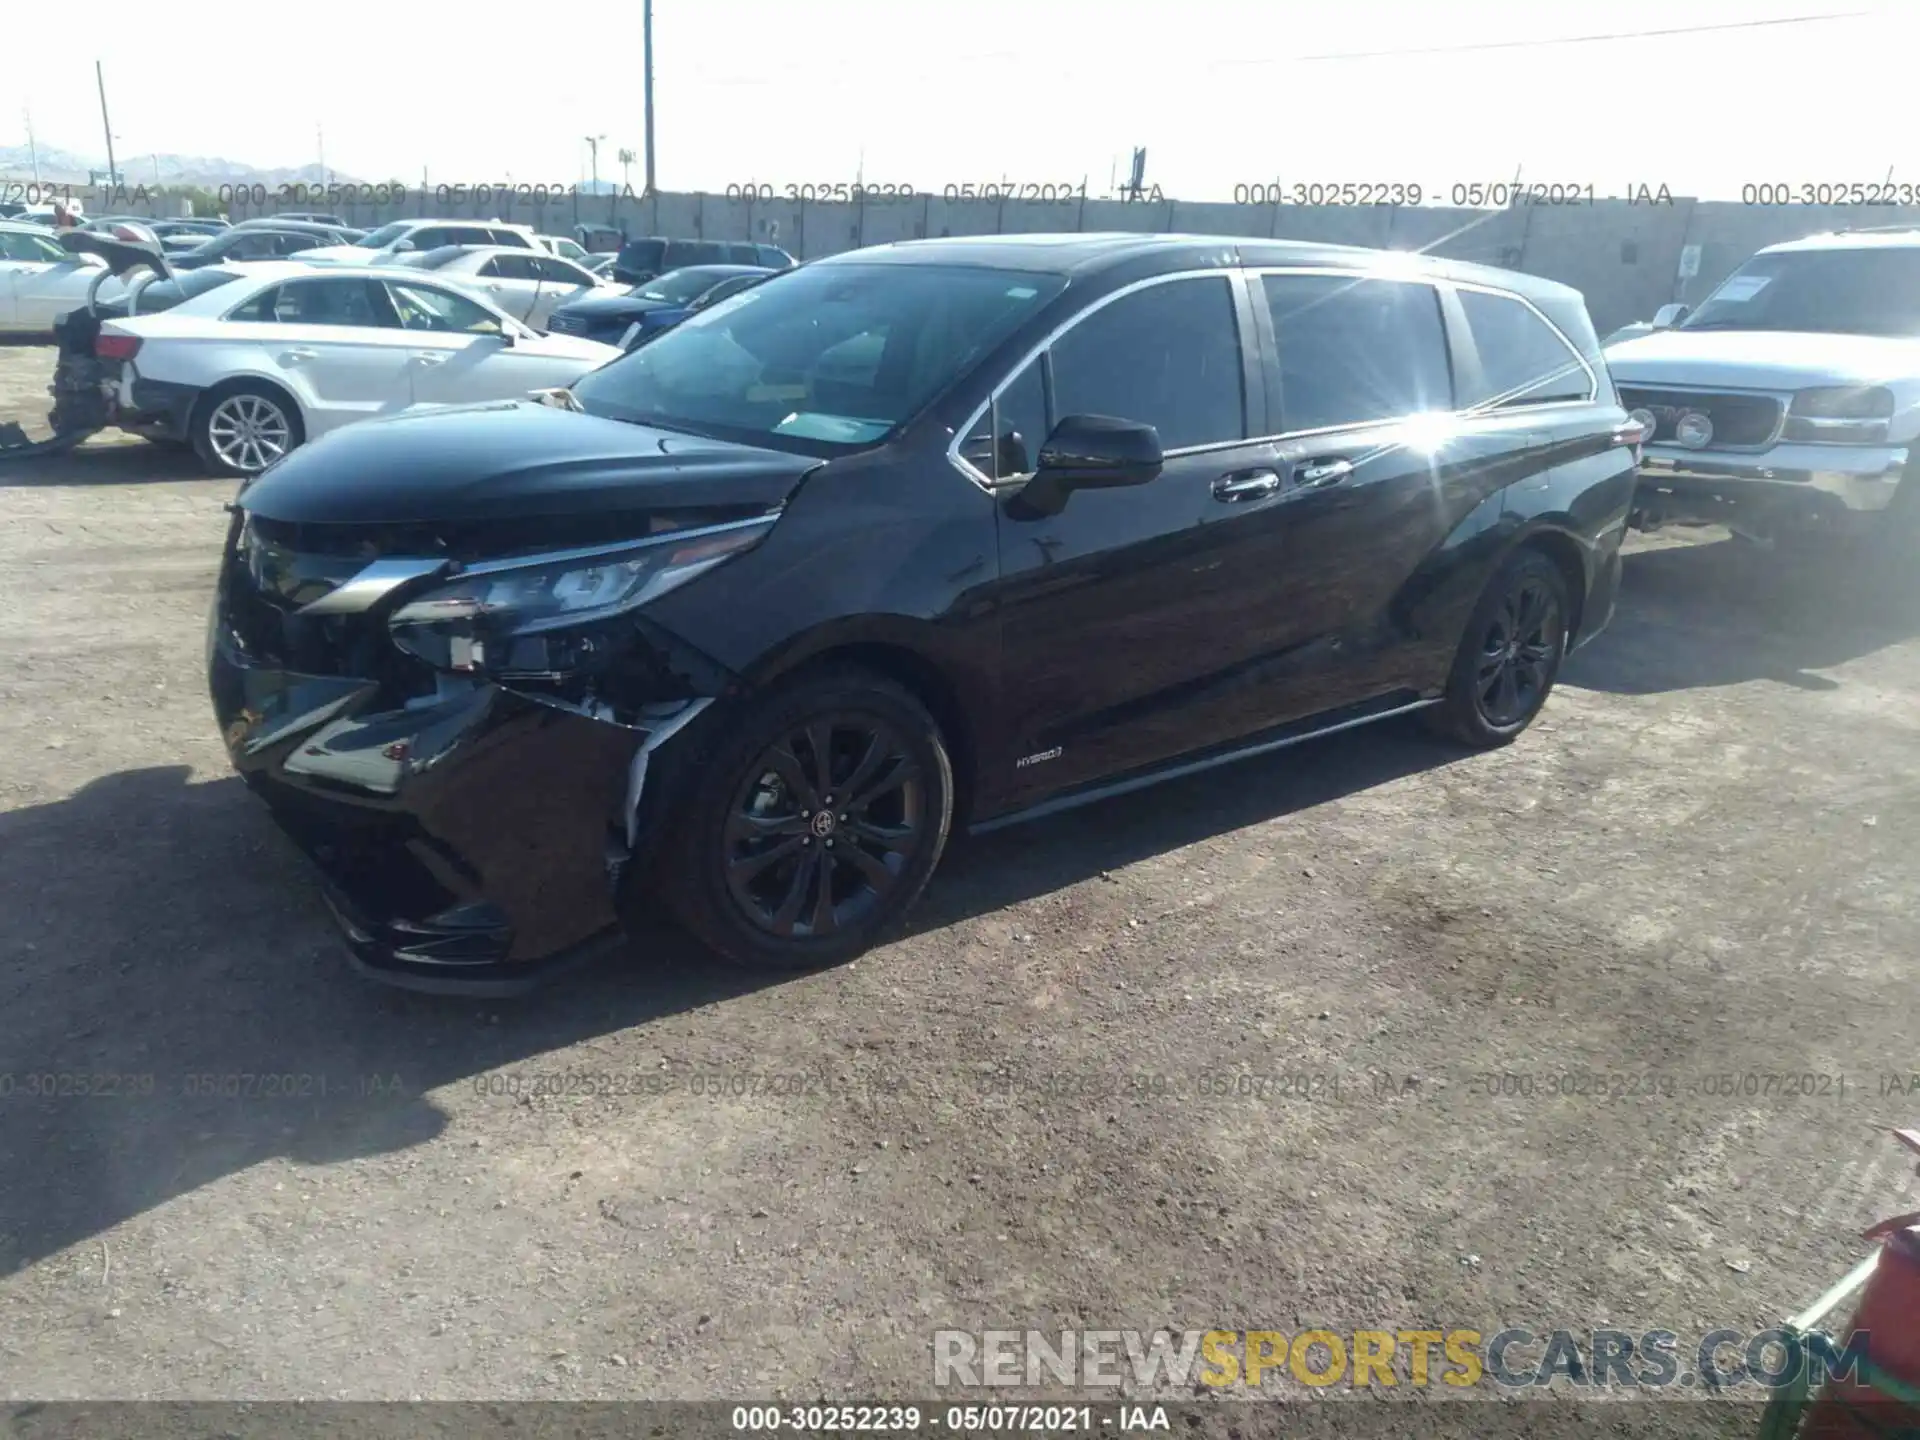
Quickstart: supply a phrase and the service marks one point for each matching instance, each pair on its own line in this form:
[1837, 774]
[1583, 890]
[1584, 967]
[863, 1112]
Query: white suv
[1788, 400]
[403, 236]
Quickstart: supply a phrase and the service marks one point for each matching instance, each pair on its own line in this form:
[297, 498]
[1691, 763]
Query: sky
[937, 92]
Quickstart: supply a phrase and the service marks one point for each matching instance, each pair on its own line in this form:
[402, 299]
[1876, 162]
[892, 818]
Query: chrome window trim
[1434, 282]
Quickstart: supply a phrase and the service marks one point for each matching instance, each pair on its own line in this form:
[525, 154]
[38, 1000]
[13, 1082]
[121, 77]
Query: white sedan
[524, 283]
[40, 281]
[280, 353]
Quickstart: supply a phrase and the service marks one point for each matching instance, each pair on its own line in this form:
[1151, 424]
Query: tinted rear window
[642, 254]
[681, 253]
[1522, 358]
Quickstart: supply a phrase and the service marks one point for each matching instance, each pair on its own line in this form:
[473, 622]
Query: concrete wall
[1623, 256]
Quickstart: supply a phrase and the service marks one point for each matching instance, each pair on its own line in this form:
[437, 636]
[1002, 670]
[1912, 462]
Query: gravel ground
[1699, 863]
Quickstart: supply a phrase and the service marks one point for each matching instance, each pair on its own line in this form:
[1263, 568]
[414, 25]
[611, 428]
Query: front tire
[241, 428]
[809, 825]
[1509, 656]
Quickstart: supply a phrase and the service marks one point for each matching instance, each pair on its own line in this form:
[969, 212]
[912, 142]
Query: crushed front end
[458, 744]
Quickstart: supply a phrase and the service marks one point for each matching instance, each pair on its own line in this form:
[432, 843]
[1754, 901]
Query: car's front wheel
[1509, 656]
[810, 823]
[242, 428]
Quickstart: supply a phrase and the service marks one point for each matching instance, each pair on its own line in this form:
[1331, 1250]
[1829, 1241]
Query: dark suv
[944, 533]
[643, 259]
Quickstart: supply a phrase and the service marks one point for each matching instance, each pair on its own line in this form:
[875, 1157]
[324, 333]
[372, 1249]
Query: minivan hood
[510, 461]
[1761, 359]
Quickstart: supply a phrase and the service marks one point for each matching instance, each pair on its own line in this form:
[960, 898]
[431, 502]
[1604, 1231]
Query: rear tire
[1509, 657]
[804, 829]
[242, 427]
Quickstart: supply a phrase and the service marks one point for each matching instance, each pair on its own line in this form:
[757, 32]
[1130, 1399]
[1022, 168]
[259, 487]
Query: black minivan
[946, 533]
[641, 260]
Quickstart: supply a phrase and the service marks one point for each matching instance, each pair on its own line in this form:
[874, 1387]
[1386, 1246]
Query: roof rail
[1877, 229]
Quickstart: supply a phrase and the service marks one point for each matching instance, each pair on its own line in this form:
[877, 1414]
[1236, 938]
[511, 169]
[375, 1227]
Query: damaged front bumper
[1790, 485]
[470, 839]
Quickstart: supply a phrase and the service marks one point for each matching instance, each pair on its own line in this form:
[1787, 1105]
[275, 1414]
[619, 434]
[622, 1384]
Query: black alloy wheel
[825, 826]
[803, 822]
[1509, 655]
[1517, 653]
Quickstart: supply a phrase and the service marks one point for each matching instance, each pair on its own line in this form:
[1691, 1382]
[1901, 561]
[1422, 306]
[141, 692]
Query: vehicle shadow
[164, 941]
[1694, 616]
[105, 461]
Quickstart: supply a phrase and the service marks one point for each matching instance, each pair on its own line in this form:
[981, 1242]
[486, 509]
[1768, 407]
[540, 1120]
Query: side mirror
[1088, 452]
[402, 246]
[1668, 316]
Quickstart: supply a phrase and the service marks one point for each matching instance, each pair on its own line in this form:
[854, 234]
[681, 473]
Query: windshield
[1835, 292]
[677, 287]
[826, 358]
[383, 237]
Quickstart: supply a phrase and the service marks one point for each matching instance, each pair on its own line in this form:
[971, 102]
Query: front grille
[1739, 421]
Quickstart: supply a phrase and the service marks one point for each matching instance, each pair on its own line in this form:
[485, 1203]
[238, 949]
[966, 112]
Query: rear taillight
[1633, 434]
[116, 347]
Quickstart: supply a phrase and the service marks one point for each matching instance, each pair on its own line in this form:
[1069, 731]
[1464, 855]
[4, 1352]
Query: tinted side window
[504, 237]
[432, 238]
[427, 307]
[681, 253]
[293, 244]
[1521, 356]
[1168, 356]
[772, 257]
[555, 271]
[510, 267]
[254, 245]
[1354, 351]
[328, 302]
[259, 308]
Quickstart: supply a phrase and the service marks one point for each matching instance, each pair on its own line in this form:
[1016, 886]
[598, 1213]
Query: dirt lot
[1699, 864]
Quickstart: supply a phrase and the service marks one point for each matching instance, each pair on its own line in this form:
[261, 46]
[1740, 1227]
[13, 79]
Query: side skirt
[1313, 729]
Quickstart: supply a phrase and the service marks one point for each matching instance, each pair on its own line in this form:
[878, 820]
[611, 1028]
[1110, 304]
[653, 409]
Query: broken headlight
[536, 614]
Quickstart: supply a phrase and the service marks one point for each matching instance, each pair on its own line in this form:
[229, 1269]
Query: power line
[1601, 38]
[779, 76]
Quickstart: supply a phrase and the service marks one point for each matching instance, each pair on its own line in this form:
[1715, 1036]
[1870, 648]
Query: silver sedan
[527, 284]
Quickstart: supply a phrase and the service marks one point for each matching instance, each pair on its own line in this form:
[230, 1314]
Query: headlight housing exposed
[535, 614]
[1840, 415]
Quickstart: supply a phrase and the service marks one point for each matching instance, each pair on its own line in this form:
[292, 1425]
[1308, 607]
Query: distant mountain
[67, 168]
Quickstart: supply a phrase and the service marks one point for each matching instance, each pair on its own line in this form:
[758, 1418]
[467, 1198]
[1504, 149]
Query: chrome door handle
[428, 358]
[1246, 485]
[1326, 472]
[303, 354]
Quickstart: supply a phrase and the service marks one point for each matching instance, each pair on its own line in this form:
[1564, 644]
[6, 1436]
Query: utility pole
[646, 45]
[113, 176]
[593, 151]
[33, 149]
